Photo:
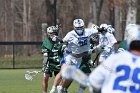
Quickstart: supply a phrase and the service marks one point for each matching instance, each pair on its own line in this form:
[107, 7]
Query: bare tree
[26, 16]
[132, 12]
[117, 11]
[25, 23]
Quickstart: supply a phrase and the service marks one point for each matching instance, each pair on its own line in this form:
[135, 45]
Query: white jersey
[79, 44]
[108, 40]
[120, 73]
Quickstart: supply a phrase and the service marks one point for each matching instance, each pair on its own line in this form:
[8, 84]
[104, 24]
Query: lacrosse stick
[71, 72]
[30, 74]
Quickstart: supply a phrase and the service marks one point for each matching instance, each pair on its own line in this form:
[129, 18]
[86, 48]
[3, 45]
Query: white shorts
[70, 60]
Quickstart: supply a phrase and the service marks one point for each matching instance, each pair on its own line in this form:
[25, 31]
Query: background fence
[20, 55]
[25, 55]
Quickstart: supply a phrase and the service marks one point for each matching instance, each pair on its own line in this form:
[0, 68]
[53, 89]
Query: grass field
[13, 81]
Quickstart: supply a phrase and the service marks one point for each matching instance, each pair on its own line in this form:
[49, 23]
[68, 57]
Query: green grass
[21, 61]
[13, 81]
[32, 61]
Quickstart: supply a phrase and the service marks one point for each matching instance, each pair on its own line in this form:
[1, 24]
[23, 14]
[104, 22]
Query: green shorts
[52, 69]
[84, 64]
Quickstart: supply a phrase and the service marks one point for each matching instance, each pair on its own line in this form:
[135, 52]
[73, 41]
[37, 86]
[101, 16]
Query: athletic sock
[65, 90]
[81, 89]
[44, 92]
[59, 89]
[53, 89]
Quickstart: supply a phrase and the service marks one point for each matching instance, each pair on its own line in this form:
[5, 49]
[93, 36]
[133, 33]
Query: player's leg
[56, 82]
[86, 69]
[45, 82]
[75, 62]
[64, 84]
[46, 75]
[81, 89]
[66, 61]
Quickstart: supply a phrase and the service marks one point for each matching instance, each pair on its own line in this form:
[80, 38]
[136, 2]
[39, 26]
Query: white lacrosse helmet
[132, 33]
[79, 26]
[78, 23]
[93, 26]
[52, 31]
[104, 26]
[107, 28]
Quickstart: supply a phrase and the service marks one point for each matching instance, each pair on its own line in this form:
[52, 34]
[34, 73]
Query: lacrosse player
[87, 62]
[85, 67]
[78, 45]
[52, 50]
[106, 41]
[120, 72]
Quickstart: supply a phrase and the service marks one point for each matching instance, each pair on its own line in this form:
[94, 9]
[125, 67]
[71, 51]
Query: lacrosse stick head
[28, 77]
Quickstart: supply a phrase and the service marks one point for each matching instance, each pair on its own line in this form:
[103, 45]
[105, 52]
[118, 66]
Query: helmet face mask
[52, 31]
[79, 30]
[51, 35]
[78, 26]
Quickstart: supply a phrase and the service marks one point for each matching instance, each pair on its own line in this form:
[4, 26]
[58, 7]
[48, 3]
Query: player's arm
[45, 61]
[93, 29]
[112, 41]
[97, 48]
[45, 53]
[98, 76]
[67, 38]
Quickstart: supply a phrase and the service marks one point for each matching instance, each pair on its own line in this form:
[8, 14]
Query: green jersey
[55, 52]
[123, 45]
[84, 64]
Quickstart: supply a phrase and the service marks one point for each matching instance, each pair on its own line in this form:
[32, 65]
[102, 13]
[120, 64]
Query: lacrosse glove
[44, 68]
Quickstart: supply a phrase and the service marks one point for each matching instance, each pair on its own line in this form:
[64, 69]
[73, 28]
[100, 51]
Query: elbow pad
[45, 58]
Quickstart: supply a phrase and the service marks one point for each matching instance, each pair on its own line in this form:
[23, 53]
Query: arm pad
[45, 58]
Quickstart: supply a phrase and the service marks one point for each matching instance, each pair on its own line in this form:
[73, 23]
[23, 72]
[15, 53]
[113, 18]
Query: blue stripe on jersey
[134, 59]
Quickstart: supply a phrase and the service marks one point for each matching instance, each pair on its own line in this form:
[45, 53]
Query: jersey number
[135, 79]
[82, 42]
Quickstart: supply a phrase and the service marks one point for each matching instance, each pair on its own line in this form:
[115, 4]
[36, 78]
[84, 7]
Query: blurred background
[21, 24]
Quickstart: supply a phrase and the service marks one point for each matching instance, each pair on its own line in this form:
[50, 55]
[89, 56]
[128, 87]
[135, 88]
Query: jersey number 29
[135, 78]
